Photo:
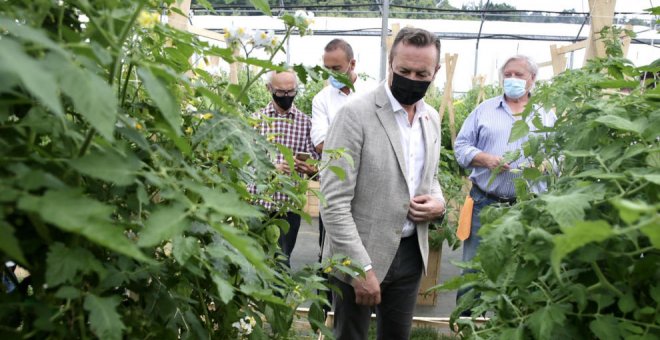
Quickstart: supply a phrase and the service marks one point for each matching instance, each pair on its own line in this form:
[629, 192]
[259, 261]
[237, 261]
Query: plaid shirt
[292, 130]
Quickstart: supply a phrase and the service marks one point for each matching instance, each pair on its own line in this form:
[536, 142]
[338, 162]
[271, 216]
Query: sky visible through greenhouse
[559, 5]
[498, 39]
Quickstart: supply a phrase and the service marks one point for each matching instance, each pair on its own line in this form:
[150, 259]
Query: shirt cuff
[367, 267]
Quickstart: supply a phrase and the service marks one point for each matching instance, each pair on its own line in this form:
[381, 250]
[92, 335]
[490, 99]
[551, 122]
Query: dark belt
[507, 200]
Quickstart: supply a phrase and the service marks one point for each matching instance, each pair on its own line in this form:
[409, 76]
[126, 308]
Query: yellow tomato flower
[327, 269]
[148, 19]
[189, 130]
[207, 116]
[139, 126]
[346, 262]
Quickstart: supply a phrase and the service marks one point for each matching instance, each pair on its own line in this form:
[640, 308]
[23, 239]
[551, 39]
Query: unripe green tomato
[272, 233]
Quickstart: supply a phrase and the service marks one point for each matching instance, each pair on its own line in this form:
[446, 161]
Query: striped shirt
[291, 130]
[487, 129]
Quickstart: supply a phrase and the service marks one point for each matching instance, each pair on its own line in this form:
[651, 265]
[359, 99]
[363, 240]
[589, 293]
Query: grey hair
[532, 67]
[268, 77]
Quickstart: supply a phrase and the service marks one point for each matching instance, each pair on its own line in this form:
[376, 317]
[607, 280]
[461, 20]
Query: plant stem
[604, 280]
[125, 87]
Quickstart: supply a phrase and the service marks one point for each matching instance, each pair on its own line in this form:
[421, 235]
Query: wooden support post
[480, 81]
[177, 20]
[447, 98]
[233, 68]
[558, 60]
[390, 39]
[602, 12]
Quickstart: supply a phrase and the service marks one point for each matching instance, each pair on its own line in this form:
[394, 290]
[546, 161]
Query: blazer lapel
[429, 140]
[386, 117]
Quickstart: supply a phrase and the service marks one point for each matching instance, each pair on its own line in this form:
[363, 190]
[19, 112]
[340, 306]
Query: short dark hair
[416, 37]
[342, 45]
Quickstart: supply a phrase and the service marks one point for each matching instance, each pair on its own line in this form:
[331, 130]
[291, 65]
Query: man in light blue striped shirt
[483, 140]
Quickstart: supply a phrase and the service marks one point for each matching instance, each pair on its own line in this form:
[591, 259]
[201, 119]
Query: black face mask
[407, 91]
[283, 102]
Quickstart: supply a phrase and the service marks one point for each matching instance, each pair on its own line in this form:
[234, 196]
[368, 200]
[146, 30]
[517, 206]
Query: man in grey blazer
[379, 214]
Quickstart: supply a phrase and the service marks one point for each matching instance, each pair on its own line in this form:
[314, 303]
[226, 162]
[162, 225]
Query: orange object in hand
[465, 219]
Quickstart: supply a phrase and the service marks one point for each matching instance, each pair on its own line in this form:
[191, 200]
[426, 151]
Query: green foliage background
[123, 176]
[583, 260]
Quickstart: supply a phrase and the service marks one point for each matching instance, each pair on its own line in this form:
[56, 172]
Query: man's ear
[437, 68]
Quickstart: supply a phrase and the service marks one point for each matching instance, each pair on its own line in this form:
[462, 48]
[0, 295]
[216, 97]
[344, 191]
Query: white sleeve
[320, 121]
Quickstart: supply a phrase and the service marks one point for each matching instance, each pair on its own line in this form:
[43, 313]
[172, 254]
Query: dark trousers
[326, 309]
[288, 241]
[398, 298]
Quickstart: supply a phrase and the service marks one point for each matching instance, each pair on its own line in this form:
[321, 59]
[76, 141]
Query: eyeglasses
[283, 93]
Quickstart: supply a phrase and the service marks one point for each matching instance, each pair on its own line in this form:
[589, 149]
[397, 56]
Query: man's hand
[283, 167]
[302, 166]
[486, 160]
[367, 290]
[425, 208]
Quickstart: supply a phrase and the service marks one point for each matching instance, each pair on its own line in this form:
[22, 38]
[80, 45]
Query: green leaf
[566, 209]
[162, 97]
[109, 166]
[605, 327]
[225, 290]
[226, 203]
[620, 123]
[30, 34]
[262, 5]
[183, 248]
[627, 303]
[655, 293]
[34, 78]
[104, 320]
[9, 243]
[338, 171]
[582, 233]
[653, 159]
[544, 321]
[99, 109]
[617, 84]
[531, 173]
[519, 130]
[652, 230]
[246, 245]
[68, 292]
[163, 224]
[630, 211]
[63, 264]
[579, 153]
[71, 211]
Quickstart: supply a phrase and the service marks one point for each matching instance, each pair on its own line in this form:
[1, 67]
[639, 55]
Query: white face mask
[515, 88]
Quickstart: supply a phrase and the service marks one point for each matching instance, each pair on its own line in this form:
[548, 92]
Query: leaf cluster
[123, 182]
[581, 261]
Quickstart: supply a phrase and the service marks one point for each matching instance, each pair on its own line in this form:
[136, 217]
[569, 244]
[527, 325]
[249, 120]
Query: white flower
[191, 108]
[236, 34]
[308, 17]
[263, 38]
[13, 118]
[245, 325]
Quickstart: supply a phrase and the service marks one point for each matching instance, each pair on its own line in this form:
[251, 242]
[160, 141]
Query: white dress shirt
[412, 142]
[325, 105]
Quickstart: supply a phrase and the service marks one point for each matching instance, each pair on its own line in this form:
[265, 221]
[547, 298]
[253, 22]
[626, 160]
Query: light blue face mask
[336, 83]
[515, 88]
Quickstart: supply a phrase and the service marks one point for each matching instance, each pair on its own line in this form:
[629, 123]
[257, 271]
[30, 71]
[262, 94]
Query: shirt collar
[274, 112]
[396, 106]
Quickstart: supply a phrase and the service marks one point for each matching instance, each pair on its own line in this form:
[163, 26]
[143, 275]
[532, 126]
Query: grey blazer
[365, 212]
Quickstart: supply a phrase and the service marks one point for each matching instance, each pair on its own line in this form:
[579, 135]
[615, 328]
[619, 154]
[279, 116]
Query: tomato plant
[581, 261]
[123, 175]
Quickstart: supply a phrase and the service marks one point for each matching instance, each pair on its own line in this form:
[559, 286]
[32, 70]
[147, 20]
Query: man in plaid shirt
[282, 123]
